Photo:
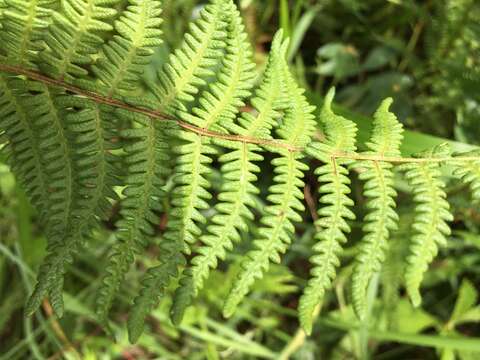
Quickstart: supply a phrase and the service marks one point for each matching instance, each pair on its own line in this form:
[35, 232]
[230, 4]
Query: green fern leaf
[80, 199]
[126, 54]
[432, 215]
[24, 23]
[181, 77]
[62, 234]
[153, 287]
[120, 69]
[239, 174]
[219, 107]
[285, 195]
[76, 144]
[381, 218]
[190, 65]
[331, 225]
[24, 143]
[74, 105]
[74, 35]
[146, 156]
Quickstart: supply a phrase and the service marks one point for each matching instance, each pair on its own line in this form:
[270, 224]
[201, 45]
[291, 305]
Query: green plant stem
[285, 18]
[441, 342]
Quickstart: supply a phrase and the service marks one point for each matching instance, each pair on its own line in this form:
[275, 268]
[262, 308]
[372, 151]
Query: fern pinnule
[431, 219]
[127, 53]
[62, 227]
[154, 285]
[469, 173]
[340, 135]
[23, 143]
[82, 179]
[218, 107]
[97, 171]
[239, 174]
[284, 195]
[23, 28]
[124, 58]
[190, 65]
[74, 35]
[380, 193]
[277, 227]
[181, 77]
[147, 154]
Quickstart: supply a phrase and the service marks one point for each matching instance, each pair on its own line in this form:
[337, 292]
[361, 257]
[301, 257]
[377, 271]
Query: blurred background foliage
[424, 54]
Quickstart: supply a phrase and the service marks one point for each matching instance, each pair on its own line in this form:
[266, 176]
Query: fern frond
[186, 71]
[74, 35]
[239, 173]
[432, 215]
[285, 195]
[73, 106]
[145, 160]
[190, 65]
[340, 135]
[126, 54]
[23, 28]
[381, 218]
[219, 105]
[24, 144]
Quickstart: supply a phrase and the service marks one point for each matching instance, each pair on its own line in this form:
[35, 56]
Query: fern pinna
[78, 120]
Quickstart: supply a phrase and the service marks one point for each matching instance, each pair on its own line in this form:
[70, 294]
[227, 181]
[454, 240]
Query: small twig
[411, 45]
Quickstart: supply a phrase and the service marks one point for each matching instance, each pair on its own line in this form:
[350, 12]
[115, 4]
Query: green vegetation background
[424, 54]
